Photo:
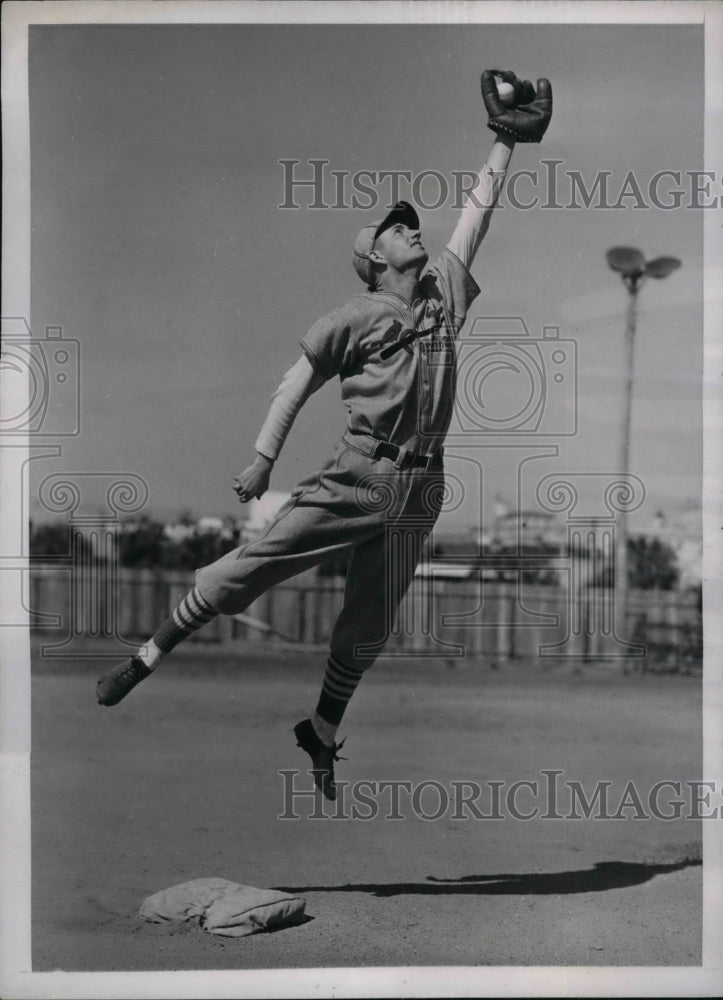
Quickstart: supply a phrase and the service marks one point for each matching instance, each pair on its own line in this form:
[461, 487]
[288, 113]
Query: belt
[402, 458]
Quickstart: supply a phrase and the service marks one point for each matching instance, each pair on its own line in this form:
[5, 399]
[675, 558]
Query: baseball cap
[402, 212]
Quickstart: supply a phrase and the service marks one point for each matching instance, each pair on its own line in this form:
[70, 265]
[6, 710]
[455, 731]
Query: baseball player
[393, 349]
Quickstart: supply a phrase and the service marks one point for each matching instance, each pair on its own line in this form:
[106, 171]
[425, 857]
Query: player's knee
[209, 583]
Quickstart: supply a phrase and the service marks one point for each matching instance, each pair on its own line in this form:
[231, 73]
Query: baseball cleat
[322, 757]
[120, 680]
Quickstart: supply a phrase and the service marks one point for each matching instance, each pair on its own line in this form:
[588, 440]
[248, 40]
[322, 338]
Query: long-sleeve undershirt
[475, 217]
[299, 382]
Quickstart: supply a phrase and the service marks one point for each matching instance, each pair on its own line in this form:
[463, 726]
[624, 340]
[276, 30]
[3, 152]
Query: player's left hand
[529, 116]
[253, 482]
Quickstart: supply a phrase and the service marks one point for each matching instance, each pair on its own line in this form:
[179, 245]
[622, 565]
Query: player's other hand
[253, 481]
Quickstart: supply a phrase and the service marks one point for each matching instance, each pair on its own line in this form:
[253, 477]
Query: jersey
[406, 399]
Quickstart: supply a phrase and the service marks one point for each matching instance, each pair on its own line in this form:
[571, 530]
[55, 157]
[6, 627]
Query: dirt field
[181, 781]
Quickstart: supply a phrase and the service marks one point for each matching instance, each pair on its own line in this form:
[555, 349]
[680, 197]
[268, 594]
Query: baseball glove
[529, 116]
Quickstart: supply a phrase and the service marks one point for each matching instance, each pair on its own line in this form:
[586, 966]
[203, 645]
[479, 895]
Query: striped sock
[339, 685]
[191, 614]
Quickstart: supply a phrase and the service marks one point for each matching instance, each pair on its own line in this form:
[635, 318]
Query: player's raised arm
[517, 113]
[299, 382]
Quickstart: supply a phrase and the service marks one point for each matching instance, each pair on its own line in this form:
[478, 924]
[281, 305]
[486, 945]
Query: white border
[16, 979]
[24, 12]
[711, 495]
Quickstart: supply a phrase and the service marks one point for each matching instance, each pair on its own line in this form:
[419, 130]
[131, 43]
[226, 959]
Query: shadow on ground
[603, 876]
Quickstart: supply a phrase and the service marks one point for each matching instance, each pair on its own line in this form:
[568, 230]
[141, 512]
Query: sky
[159, 245]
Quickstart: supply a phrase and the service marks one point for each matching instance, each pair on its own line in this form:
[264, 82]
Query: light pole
[632, 267]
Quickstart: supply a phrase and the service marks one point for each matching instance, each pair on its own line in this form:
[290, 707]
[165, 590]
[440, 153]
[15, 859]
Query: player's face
[401, 247]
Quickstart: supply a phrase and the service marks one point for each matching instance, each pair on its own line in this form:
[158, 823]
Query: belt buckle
[404, 459]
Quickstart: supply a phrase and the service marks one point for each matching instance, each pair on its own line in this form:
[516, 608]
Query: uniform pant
[380, 510]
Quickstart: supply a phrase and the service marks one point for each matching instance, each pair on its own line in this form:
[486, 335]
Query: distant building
[528, 527]
[461, 556]
[462, 545]
[205, 525]
[178, 532]
[438, 570]
[209, 524]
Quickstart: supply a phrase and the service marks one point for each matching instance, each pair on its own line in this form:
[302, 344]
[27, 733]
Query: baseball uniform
[381, 491]
[406, 401]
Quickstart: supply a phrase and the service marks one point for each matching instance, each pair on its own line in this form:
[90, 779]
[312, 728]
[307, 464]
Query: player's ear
[376, 257]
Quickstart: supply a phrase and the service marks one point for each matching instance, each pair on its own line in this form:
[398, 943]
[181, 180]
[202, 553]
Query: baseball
[506, 92]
